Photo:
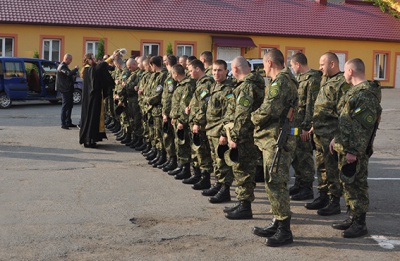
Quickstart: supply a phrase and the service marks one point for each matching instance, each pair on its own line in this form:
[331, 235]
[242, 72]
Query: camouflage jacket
[198, 104]
[309, 84]
[247, 97]
[221, 94]
[154, 93]
[142, 86]
[358, 116]
[327, 106]
[168, 91]
[208, 72]
[131, 83]
[181, 99]
[280, 96]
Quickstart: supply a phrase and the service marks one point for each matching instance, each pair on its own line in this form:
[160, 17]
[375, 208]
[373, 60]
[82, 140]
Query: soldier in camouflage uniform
[168, 130]
[248, 96]
[221, 95]
[303, 160]
[325, 122]
[197, 122]
[278, 107]
[180, 101]
[207, 58]
[358, 122]
[154, 101]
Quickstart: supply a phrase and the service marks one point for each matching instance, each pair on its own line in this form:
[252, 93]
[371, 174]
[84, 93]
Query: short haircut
[242, 64]
[178, 69]
[171, 59]
[357, 65]
[221, 62]
[299, 58]
[207, 55]
[276, 56]
[191, 58]
[197, 64]
[332, 57]
[119, 61]
[184, 57]
[156, 60]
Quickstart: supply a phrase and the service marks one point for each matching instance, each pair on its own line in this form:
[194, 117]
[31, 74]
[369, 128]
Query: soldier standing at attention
[325, 123]
[248, 96]
[303, 160]
[207, 58]
[221, 95]
[278, 107]
[358, 122]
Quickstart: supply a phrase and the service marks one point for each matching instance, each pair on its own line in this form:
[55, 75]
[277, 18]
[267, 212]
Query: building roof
[297, 18]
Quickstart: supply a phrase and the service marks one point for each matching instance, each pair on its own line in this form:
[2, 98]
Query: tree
[388, 6]
[35, 54]
[169, 49]
[100, 50]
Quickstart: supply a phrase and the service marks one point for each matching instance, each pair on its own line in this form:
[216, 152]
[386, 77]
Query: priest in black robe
[96, 82]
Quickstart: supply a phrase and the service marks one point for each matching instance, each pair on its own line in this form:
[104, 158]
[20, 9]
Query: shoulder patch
[244, 101]
[273, 90]
[203, 94]
[159, 88]
[365, 116]
[170, 87]
[229, 96]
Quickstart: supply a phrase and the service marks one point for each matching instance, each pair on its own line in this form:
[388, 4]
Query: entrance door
[228, 53]
[397, 76]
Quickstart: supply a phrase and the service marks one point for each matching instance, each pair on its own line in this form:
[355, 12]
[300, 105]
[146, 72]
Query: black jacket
[65, 78]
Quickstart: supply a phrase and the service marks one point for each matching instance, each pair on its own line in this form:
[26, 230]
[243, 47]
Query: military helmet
[119, 110]
[196, 141]
[231, 157]
[221, 150]
[348, 172]
[181, 136]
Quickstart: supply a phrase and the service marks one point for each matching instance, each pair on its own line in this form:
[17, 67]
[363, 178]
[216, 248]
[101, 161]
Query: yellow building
[227, 28]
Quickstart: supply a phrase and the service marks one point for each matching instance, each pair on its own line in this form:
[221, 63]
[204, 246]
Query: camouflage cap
[221, 150]
[181, 136]
[348, 172]
[231, 157]
[196, 141]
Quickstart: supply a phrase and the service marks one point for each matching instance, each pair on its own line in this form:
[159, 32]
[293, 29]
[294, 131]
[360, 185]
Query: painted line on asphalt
[369, 178]
[384, 242]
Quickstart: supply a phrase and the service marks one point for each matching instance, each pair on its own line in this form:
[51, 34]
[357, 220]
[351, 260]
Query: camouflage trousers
[183, 151]
[276, 182]
[327, 167]
[135, 119]
[157, 132]
[202, 153]
[303, 161]
[169, 140]
[244, 171]
[356, 193]
[222, 172]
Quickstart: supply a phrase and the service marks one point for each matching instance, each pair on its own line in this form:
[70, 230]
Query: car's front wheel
[77, 96]
[5, 101]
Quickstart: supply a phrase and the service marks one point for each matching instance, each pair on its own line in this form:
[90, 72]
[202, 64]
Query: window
[289, 53]
[13, 69]
[342, 59]
[184, 50]
[91, 47]
[151, 49]
[6, 47]
[51, 49]
[380, 66]
[265, 50]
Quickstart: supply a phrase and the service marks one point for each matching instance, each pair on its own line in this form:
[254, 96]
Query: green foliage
[169, 49]
[100, 49]
[385, 7]
[35, 54]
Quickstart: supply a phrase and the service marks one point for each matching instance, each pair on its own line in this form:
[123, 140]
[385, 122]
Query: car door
[15, 83]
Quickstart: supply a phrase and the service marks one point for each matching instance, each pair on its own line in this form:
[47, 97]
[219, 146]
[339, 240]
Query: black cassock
[96, 82]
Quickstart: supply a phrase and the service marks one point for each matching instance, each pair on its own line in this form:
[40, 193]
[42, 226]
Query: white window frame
[3, 46]
[184, 51]
[94, 44]
[149, 47]
[378, 74]
[51, 58]
[265, 50]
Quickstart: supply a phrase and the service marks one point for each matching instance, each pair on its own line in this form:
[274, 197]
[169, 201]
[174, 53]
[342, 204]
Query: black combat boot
[194, 178]
[175, 171]
[173, 164]
[357, 229]
[333, 208]
[151, 155]
[134, 139]
[185, 173]
[230, 209]
[142, 147]
[243, 211]
[345, 224]
[149, 149]
[305, 192]
[204, 182]
[283, 235]
[213, 190]
[259, 175]
[320, 202]
[128, 138]
[137, 143]
[107, 120]
[267, 231]
[223, 195]
[161, 160]
[167, 161]
[158, 155]
[110, 125]
[293, 190]
[116, 130]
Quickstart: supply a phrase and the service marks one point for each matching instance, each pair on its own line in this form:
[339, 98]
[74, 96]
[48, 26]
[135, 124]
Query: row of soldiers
[196, 116]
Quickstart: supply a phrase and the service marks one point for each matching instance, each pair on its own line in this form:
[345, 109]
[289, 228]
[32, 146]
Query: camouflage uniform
[122, 76]
[221, 94]
[166, 101]
[268, 119]
[133, 110]
[359, 114]
[142, 86]
[208, 71]
[325, 122]
[198, 107]
[180, 100]
[247, 97]
[303, 160]
[146, 109]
